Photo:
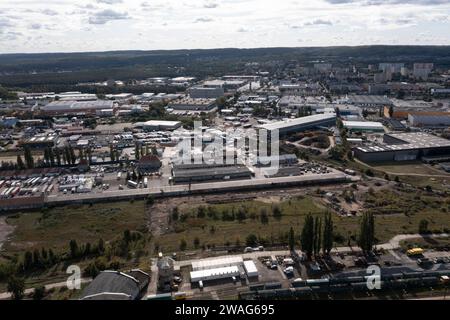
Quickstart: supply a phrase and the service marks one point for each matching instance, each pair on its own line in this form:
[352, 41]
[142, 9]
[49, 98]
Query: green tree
[27, 261]
[101, 246]
[175, 214]
[74, 251]
[39, 293]
[291, 239]
[183, 245]
[196, 242]
[20, 163]
[276, 212]
[423, 226]
[251, 240]
[367, 232]
[263, 215]
[307, 236]
[28, 158]
[16, 286]
[317, 235]
[327, 233]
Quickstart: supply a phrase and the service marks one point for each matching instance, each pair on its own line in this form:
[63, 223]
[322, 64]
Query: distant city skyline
[28, 26]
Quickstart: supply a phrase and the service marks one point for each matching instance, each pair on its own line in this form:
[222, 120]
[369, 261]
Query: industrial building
[115, 285]
[206, 264]
[41, 141]
[284, 159]
[215, 274]
[189, 104]
[158, 125]
[192, 174]
[206, 92]
[149, 163]
[250, 269]
[442, 121]
[301, 124]
[363, 126]
[404, 147]
[76, 108]
[369, 101]
[222, 268]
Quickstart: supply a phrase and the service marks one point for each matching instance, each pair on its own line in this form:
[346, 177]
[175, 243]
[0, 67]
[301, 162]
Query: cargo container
[132, 184]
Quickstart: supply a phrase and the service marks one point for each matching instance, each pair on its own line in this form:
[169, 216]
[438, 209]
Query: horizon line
[224, 48]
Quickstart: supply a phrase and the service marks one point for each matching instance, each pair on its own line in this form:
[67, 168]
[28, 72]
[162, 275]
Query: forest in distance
[28, 70]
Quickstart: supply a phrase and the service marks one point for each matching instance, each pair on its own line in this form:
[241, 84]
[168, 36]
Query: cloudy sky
[100, 25]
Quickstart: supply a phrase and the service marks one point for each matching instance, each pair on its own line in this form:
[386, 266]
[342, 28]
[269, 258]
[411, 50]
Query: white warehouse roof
[298, 121]
[363, 125]
[216, 263]
[250, 268]
[212, 274]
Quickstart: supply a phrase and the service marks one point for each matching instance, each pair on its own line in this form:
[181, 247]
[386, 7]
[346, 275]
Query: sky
[31, 26]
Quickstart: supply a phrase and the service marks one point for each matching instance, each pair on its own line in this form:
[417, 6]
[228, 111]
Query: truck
[132, 184]
[145, 182]
[414, 252]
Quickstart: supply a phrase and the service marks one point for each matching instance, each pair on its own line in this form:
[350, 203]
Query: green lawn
[55, 227]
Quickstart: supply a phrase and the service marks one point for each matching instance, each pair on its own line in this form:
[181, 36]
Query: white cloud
[104, 16]
[171, 24]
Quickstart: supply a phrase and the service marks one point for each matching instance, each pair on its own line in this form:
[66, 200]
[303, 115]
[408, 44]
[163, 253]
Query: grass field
[409, 168]
[426, 243]
[294, 211]
[55, 227]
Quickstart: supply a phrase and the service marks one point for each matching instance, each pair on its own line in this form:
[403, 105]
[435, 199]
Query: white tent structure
[217, 263]
[213, 274]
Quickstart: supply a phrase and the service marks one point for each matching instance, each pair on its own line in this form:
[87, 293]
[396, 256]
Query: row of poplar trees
[318, 234]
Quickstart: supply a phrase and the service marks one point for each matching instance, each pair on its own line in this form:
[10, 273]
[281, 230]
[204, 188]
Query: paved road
[7, 295]
[394, 243]
[332, 177]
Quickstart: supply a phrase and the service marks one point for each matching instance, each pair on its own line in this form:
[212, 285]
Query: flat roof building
[369, 101]
[404, 146]
[206, 92]
[301, 124]
[76, 107]
[190, 104]
[441, 121]
[158, 125]
[363, 126]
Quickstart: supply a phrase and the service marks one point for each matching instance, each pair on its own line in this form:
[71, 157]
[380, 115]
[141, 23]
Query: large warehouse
[301, 124]
[190, 104]
[158, 125]
[363, 126]
[192, 174]
[404, 147]
[76, 107]
[366, 101]
[429, 121]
